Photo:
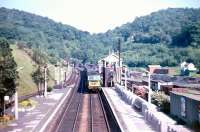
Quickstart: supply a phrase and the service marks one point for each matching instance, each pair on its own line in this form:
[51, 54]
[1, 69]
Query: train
[94, 81]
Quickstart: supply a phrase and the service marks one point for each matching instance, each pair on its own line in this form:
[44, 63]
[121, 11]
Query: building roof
[189, 93]
[111, 58]
[157, 66]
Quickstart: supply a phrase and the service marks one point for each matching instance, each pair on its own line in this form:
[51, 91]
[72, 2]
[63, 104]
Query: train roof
[93, 73]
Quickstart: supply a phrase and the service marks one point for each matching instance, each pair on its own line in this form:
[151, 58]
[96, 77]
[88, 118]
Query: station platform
[34, 119]
[135, 114]
[128, 118]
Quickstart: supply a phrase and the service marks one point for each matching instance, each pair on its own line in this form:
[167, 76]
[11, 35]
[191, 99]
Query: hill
[26, 84]
[165, 37]
[56, 39]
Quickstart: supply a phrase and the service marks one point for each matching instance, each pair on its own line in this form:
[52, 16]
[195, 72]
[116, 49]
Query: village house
[157, 69]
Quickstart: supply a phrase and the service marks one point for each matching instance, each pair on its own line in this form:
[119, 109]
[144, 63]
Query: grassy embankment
[26, 84]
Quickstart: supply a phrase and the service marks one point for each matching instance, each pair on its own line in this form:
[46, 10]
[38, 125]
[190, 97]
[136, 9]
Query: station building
[113, 69]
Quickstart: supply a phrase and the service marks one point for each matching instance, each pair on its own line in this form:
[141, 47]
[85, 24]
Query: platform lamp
[16, 99]
[45, 79]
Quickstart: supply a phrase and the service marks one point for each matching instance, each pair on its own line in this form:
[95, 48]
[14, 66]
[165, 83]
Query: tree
[8, 72]
[195, 33]
[38, 78]
[39, 57]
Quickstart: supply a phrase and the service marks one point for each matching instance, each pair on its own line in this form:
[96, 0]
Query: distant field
[26, 84]
[174, 71]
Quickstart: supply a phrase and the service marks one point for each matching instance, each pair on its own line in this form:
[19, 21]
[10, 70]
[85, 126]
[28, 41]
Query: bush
[162, 101]
[49, 89]
[4, 119]
[28, 103]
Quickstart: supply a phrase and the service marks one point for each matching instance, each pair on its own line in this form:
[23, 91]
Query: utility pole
[149, 87]
[104, 74]
[45, 81]
[125, 85]
[119, 49]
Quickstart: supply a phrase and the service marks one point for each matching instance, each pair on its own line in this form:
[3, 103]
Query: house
[110, 60]
[189, 66]
[185, 105]
[186, 68]
[157, 69]
[152, 68]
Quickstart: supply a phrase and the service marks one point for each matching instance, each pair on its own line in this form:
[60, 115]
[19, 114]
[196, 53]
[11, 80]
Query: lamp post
[45, 79]
[16, 99]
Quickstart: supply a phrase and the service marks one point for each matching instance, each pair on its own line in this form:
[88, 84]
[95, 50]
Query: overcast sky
[95, 15]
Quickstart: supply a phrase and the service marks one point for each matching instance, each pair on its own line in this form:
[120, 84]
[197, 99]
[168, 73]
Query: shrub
[28, 103]
[162, 101]
[49, 89]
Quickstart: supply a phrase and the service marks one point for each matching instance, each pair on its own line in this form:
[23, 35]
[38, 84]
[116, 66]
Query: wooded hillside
[166, 37]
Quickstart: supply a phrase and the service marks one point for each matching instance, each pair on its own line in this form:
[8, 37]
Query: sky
[95, 15]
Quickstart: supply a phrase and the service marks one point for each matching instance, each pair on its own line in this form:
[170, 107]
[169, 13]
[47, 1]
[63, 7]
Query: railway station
[94, 98]
[99, 66]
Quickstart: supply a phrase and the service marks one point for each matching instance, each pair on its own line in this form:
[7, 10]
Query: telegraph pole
[119, 49]
[45, 81]
[104, 74]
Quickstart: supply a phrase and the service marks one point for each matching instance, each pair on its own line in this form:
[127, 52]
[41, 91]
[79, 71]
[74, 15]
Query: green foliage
[28, 103]
[49, 89]
[162, 101]
[39, 57]
[25, 82]
[38, 75]
[8, 73]
[166, 37]
[195, 35]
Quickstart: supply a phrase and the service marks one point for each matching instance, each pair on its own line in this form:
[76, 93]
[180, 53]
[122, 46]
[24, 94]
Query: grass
[26, 84]
[174, 71]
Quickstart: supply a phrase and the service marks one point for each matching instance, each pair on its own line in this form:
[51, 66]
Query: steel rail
[68, 106]
[91, 114]
[104, 112]
[77, 113]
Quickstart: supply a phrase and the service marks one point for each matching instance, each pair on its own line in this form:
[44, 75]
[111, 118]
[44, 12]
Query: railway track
[84, 112]
[99, 122]
[67, 121]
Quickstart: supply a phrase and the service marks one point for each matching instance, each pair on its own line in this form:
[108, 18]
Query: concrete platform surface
[31, 120]
[129, 119]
